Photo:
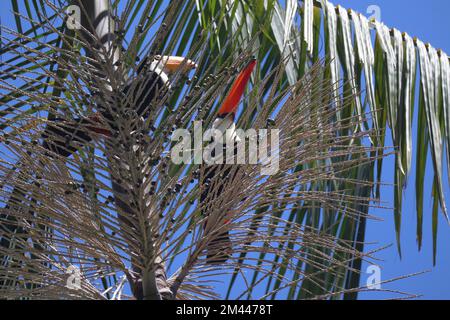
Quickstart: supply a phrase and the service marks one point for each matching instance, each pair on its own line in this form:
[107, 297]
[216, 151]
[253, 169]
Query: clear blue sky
[428, 21]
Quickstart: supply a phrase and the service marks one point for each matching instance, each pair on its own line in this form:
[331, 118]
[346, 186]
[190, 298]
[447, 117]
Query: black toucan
[62, 136]
[215, 177]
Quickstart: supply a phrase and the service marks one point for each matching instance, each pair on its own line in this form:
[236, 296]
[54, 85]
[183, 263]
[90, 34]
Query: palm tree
[111, 211]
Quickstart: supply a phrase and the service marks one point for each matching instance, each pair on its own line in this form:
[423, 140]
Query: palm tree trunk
[149, 282]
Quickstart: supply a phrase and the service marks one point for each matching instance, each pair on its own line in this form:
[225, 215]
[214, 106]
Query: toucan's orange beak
[172, 64]
[237, 90]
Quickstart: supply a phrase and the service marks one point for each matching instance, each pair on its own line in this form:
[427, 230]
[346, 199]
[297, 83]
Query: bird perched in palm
[152, 80]
[216, 177]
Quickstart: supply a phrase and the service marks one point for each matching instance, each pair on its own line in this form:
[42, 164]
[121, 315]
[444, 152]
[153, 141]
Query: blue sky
[428, 21]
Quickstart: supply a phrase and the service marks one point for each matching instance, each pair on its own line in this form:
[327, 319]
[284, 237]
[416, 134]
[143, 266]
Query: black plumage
[214, 181]
[63, 137]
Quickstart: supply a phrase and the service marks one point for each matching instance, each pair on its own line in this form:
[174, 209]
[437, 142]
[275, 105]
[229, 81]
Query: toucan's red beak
[237, 90]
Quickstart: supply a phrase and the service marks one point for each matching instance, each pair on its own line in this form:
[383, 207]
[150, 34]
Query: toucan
[60, 135]
[215, 177]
